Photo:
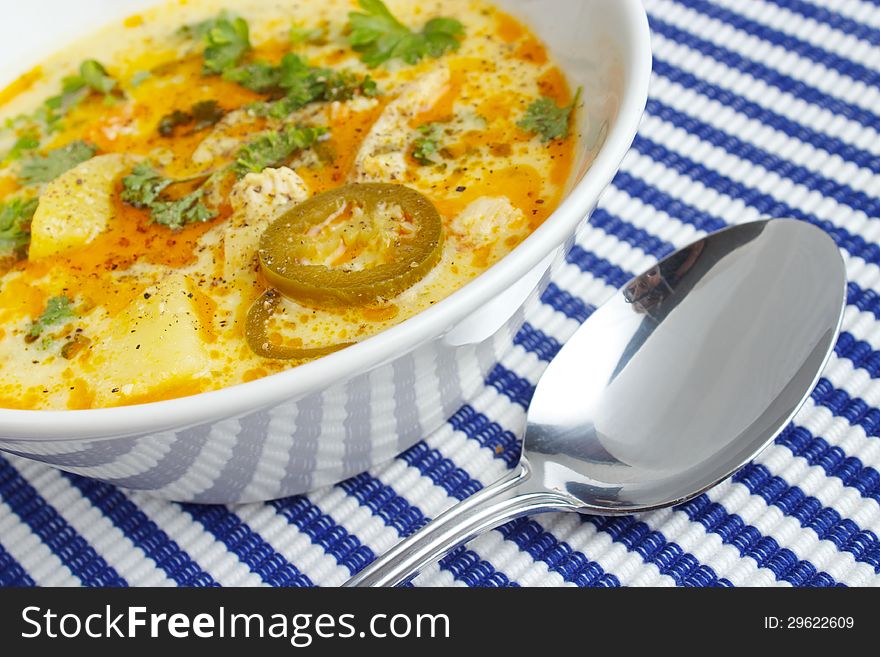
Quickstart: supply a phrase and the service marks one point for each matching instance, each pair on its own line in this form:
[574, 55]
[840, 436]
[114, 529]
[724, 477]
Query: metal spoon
[685, 376]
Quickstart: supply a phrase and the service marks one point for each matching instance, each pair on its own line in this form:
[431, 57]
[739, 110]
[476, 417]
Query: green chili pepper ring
[413, 258]
[257, 333]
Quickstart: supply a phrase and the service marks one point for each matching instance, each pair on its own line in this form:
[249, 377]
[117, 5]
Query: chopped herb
[379, 37]
[188, 210]
[47, 168]
[95, 76]
[207, 113]
[275, 148]
[426, 149]
[26, 142]
[58, 309]
[306, 35]
[144, 187]
[294, 83]
[545, 118]
[15, 221]
[227, 40]
[202, 115]
[170, 122]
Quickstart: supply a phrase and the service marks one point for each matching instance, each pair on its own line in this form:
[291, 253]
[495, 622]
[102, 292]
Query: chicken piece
[257, 200]
[382, 157]
[487, 219]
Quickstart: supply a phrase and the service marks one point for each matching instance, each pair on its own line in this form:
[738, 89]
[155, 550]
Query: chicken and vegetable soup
[213, 192]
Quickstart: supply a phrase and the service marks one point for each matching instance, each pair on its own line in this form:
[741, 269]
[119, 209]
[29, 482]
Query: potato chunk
[154, 345]
[77, 206]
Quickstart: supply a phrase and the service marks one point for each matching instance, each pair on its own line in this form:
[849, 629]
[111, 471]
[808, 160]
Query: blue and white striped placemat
[758, 108]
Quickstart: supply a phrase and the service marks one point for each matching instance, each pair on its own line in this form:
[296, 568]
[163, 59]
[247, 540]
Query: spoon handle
[482, 512]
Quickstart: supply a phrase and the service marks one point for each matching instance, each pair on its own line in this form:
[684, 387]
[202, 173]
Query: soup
[214, 192]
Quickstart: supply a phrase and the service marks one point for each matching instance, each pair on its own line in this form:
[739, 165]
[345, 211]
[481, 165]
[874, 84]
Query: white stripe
[811, 31]
[34, 556]
[763, 136]
[211, 555]
[828, 80]
[96, 529]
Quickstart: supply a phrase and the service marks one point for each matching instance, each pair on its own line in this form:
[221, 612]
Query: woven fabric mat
[758, 108]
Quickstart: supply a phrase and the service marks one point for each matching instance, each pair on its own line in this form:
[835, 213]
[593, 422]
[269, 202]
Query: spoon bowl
[678, 381]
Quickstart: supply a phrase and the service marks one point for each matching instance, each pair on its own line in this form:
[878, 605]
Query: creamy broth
[111, 298]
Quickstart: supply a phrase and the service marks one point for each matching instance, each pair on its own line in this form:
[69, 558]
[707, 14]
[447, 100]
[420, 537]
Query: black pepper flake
[115, 390]
[460, 189]
[147, 295]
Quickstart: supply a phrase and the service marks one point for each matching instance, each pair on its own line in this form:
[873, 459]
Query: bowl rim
[36, 426]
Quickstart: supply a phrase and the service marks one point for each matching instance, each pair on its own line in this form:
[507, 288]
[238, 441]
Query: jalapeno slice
[257, 332]
[409, 257]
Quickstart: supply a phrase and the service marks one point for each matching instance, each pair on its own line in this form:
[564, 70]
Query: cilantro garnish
[546, 118]
[144, 188]
[58, 309]
[426, 149]
[95, 77]
[273, 149]
[379, 37]
[45, 169]
[29, 141]
[306, 35]
[227, 40]
[15, 221]
[294, 83]
[202, 115]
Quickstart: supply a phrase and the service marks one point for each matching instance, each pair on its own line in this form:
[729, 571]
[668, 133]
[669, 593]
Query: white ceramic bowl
[338, 416]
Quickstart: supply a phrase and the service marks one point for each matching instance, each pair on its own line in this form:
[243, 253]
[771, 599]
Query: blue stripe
[247, 545]
[800, 175]
[11, 572]
[768, 206]
[833, 460]
[828, 524]
[758, 71]
[566, 303]
[466, 566]
[832, 19]
[142, 532]
[766, 552]
[318, 526]
[397, 512]
[459, 485]
[62, 539]
[790, 43]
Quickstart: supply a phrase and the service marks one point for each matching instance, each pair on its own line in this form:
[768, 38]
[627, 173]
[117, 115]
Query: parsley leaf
[95, 77]
[29, 141]
[15, 220]
[58, 309]
[47, 168]
[227, 40]
[379, 37]
[143, 188]
[182, 212]
[202, 115]
[275, 148]
[426, 149]
[546, 118]
[306, 35]
[298, 84]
